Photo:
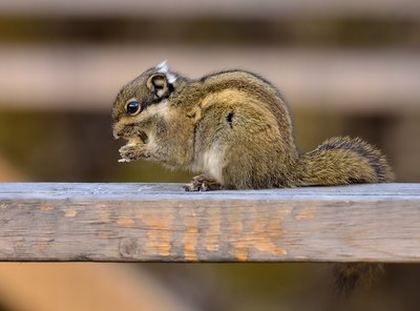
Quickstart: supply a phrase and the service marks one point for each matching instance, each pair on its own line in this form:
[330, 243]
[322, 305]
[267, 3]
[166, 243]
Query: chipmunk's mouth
[141, 138]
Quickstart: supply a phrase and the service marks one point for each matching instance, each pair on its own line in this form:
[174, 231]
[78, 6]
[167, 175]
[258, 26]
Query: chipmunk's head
[142, 100]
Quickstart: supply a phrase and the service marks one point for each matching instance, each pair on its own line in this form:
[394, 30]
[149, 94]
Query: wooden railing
[127, 222]
[90, 78]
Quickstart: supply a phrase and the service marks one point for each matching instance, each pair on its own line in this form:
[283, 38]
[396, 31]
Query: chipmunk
[235, 129]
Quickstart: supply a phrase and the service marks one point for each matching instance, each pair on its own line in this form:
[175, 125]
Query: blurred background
[345, 67]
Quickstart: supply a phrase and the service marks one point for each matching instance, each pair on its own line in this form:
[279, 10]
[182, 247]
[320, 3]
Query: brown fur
[235, 129]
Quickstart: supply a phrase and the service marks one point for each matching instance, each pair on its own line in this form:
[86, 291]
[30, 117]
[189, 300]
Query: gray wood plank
[159, 222]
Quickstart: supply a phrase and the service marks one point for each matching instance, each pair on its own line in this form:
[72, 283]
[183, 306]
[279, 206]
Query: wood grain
[159, 222]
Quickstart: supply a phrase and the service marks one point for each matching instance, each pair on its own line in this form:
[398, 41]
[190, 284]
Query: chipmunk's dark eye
[133, 107]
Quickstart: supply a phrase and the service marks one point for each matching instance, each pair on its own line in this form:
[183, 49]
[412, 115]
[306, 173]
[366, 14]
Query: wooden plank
[89, 77]
[286, 9]
[160, 222]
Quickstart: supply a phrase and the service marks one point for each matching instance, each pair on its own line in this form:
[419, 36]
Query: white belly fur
[213, 162]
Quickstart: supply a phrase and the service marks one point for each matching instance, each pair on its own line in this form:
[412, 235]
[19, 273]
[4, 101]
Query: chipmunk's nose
[116, 133]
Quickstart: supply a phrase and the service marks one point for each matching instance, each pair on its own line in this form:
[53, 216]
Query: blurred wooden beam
[87, 287]
[235, 8]
[89, 77]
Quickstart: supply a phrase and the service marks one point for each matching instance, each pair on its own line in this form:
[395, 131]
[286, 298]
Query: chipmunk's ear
[161, 82]
[158, 85]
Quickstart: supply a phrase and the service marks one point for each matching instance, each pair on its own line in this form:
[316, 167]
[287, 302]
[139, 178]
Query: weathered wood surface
[160, 222]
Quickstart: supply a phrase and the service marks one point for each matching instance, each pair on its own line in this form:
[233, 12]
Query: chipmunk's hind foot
[202, 183]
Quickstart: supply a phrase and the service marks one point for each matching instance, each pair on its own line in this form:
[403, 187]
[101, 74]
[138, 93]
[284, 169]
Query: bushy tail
[341, 161]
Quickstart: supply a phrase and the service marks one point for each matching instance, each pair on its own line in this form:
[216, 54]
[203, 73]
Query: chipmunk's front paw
[132, 152]
[202, 183]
